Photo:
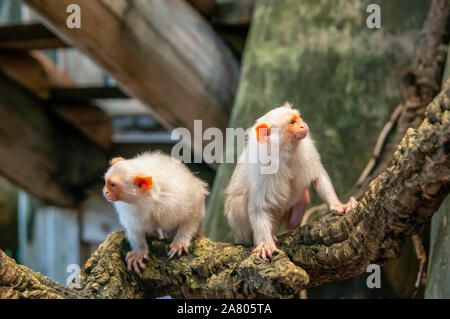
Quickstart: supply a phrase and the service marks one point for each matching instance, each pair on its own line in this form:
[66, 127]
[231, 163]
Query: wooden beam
[161, 52]
[36, 72]
[29, 37]
[42, 153]
[90, 119]
[81, 94]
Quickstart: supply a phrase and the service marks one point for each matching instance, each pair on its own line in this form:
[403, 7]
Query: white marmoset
[154, 191]
[256, 203]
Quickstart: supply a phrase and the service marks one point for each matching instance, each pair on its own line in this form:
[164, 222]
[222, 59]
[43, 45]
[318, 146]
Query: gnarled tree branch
[399, 201]
[420, 84]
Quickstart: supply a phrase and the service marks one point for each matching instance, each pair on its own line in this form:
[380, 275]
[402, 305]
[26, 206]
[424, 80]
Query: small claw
[269, 254]
[263, 252]
[263, 256]
[135, 266]
[136, 259]
[178, 249]
[350, 205]
[338, 209]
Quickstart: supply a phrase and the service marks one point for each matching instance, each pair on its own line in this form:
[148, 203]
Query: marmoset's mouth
[108, 196]
[301, 135]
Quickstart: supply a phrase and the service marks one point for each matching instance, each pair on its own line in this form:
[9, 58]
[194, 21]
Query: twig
[422, 257]
[379, 144]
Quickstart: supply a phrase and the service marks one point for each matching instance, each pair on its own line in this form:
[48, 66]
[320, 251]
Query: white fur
[175, 203]
[255, 202]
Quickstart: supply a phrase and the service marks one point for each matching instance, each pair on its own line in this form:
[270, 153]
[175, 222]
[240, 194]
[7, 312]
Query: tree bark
[397, 204]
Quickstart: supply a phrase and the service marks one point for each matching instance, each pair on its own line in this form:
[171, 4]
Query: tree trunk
[397, 204]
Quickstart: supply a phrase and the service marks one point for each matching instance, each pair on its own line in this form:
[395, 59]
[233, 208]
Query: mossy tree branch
[398, 203]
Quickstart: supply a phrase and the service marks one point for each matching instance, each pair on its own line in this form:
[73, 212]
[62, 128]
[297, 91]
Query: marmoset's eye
[112, 185]
[292, 122]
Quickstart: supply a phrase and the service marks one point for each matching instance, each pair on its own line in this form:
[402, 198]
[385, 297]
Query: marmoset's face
[295, 127]
[291, 126]
[122, 185]
[113, 189]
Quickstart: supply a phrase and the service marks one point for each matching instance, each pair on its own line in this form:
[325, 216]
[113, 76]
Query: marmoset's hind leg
[183, 237]
[236, 210]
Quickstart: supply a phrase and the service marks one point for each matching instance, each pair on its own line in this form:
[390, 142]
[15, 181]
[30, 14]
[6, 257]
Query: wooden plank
[83, 94]
[36, 72]
[42, 153]
[90, 119]
[33, 70]
[29, 37]
[161, 52]
[130, 107]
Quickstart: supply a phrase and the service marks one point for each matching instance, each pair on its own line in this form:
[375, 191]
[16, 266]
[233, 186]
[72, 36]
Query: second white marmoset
[154, 191]
[256, 203]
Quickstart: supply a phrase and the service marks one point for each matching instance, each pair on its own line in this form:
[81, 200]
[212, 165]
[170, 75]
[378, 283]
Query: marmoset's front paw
[264, 250]
[136, 257]
[177, 248]
[341, 209]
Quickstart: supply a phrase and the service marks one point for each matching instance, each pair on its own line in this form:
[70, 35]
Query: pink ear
[143, 182]
[116, 159]
[262, 133]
